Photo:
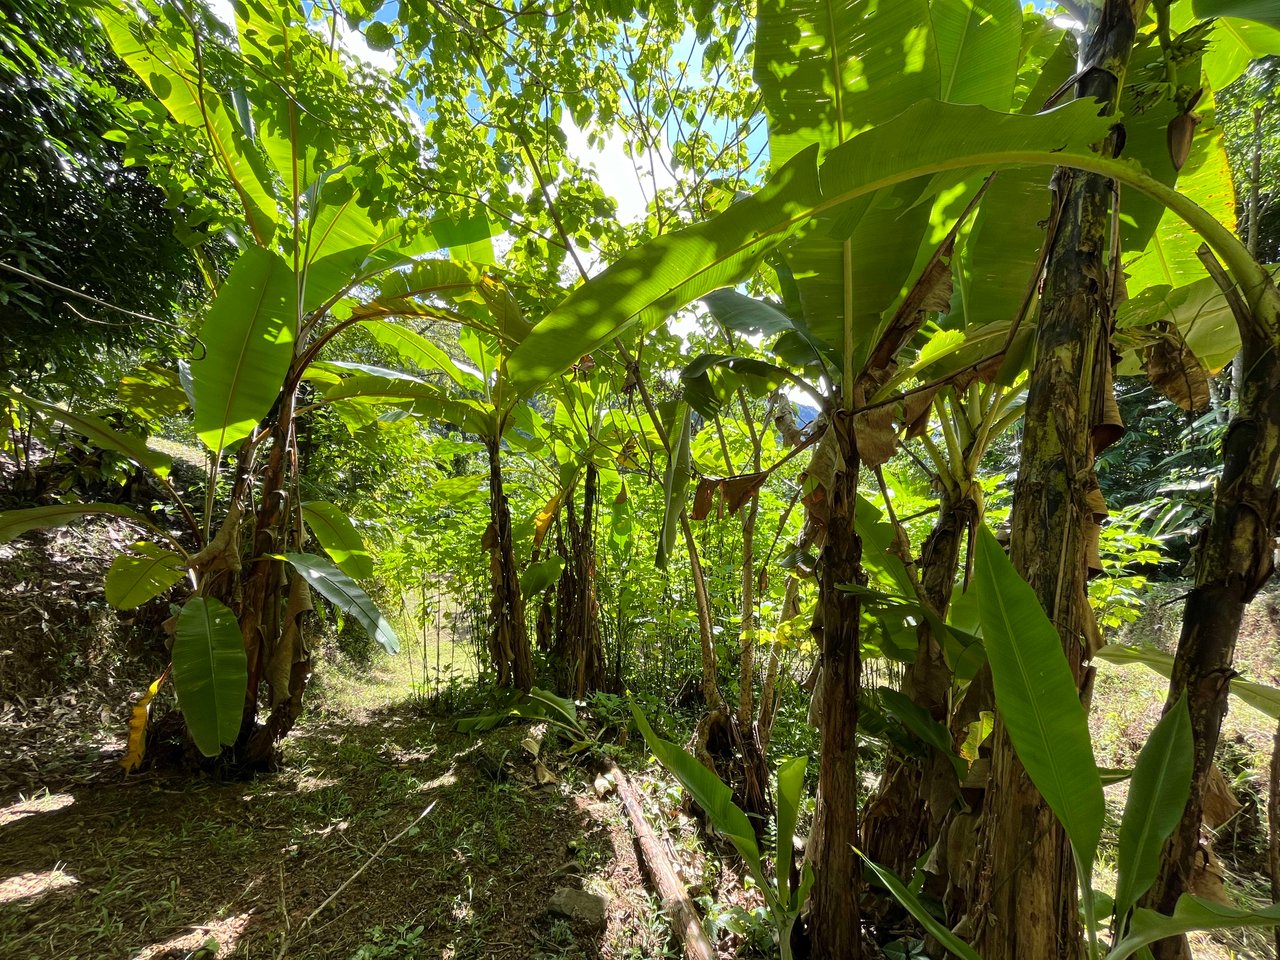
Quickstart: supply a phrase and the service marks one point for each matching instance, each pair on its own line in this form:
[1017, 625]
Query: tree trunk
[1234, 561]
[1024, 893]
[711, 695]
[747, 621]
[262, 597]
[769, 686]
[903, 819]
[834, 915]
[508, 636]
[578, 651]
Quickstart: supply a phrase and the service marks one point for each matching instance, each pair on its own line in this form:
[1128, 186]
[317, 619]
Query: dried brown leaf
[737, 490]
[876, 434]
[1176, 372]
[704, 498]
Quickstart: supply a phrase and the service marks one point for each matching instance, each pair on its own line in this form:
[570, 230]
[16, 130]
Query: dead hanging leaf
[136, 747]
[1180, 133]
[1220, 804]
[490, 539]
[783, 414]
[1096, 505]
[223, 551]
[877, 437]
[986, 371]
[542, 522]
[1177, 372]
[1209, 877]
[627, 455]
[827, 461]
[737, 490]
[1093, 638]
[290, 648]
[931, 292]
[1108, 423]
[915, 411]
[704, 498]
[819, 477]
[621, 498]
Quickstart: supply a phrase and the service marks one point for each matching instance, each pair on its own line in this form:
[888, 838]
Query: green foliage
[1190, 913]
[716, 800]
[248, 340]
[210, 673]
[905, 896]
[73, 213]
[339, 537]
[1036, 695]
[652, 281]
[99, 433]
[358, 376]
[135, 579]
[340, 590]
[1158, 791]
[14, 523]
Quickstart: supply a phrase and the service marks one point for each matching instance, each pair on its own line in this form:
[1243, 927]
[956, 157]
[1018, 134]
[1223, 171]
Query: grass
[1126, 704]
[165, 866]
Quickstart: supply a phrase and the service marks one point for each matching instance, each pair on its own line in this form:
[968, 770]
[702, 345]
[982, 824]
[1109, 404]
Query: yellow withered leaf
[542, 522]
[137, 744]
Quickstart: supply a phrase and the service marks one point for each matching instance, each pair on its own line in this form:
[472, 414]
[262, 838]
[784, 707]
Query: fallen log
[675, 899]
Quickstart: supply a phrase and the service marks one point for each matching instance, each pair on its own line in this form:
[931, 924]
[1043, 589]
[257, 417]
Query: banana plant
[813, 197]
[1039, 705]
[472, 303]
[311, 237]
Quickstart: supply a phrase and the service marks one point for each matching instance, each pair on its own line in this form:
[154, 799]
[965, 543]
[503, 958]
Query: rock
[579, 906]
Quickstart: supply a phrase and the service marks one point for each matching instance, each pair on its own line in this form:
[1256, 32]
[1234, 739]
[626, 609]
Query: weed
[400, 942]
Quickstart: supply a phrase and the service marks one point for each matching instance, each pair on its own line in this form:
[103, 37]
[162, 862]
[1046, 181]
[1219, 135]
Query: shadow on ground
[94, 865]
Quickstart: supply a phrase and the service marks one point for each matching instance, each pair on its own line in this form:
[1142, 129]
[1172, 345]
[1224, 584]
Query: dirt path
[96, 866]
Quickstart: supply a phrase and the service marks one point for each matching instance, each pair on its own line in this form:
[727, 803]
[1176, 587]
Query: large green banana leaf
[423, 399]
[248, 338]
[421, 352]
[1168, 248]
[340, 590]
[135, 578]
[710, 792]
[292, 130]
[1234, 42]
[979, 45]
[1263, 11]
[675, 483]
[913, 905]
[210, 673]
[1190, 913]
[339, 538]
[14, 523]
[998, 255]
[99, 432]
[828, 70]
[1260, 696]
[650, 282]
[1038, 700]
[1158, 791]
